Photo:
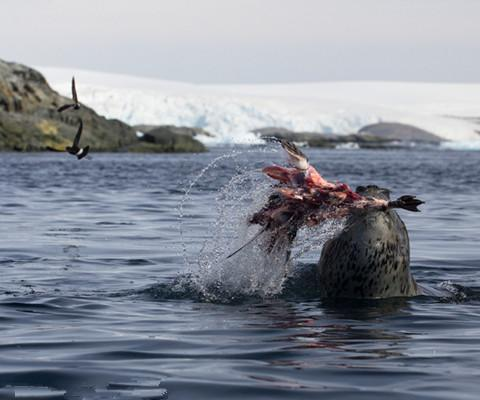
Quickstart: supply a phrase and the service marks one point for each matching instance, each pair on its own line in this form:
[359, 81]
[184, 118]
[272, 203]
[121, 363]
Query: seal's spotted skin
[370, 258]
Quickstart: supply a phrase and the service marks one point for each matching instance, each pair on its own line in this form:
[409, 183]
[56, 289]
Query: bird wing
[84, 152]
[76, 141]
[64, 107]
[295, 155]
[74, 91]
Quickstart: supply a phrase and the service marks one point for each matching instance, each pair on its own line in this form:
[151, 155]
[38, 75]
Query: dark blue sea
[103, 292]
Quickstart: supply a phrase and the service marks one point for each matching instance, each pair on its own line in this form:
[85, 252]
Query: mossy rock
[29, 120]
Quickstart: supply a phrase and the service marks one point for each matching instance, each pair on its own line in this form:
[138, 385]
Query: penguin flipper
[406, 202]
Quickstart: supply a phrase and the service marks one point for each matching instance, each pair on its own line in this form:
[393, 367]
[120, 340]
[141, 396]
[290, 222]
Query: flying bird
[75, 105]
[75, 149]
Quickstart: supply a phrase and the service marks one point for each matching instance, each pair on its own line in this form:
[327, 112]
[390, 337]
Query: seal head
[370, 258]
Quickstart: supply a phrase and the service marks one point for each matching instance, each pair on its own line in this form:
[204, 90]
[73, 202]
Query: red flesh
[310, 197]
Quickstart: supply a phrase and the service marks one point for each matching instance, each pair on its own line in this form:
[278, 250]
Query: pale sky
[249, 41]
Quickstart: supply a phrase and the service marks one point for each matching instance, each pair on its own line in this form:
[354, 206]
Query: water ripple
[97, 302]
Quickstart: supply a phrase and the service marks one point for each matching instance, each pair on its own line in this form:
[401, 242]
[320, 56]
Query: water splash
[253, 271]
[310, 240]
[232, 155]
[250, 272]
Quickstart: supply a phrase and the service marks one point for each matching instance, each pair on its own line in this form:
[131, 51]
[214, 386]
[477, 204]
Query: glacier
[231, 112]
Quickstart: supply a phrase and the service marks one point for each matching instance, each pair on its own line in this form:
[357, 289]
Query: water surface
[89, 252]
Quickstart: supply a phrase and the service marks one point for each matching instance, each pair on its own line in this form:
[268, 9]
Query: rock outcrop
[395, 131]
[324, 140]
[29, 120]
[171, 138]
[167, 139]
[179, 130]
[381, 135]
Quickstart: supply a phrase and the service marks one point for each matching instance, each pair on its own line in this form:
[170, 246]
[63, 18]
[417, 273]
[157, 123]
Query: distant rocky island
[29, 121]
[169, 139]
[379, 135]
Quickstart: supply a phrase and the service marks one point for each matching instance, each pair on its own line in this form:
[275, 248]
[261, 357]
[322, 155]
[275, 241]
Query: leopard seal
[370, 257]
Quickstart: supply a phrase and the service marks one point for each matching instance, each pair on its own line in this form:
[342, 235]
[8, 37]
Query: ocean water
[106, 293]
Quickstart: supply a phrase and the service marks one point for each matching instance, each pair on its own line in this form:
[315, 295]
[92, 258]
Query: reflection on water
[96, 301]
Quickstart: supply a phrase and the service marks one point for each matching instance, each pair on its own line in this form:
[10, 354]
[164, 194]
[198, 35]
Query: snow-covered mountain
[230, 112]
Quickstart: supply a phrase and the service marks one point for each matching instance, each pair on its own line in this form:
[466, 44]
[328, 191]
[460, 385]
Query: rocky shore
[29, 121]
